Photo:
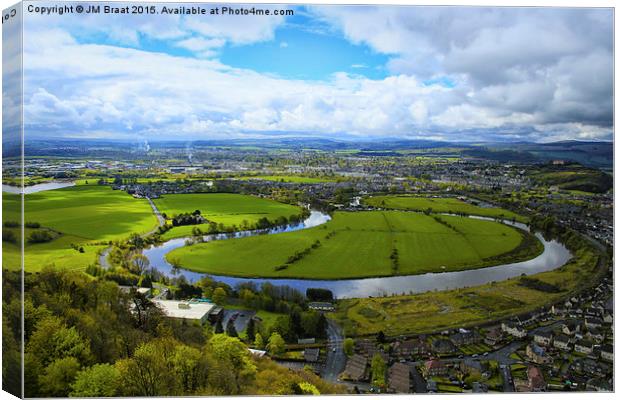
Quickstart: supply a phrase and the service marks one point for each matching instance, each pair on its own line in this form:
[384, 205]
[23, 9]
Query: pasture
[361, 244]
[439, 205]
[223, 208]
[84, 215]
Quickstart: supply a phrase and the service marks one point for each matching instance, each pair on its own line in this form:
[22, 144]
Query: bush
[40, 236]
[32, 225]
[11, 224]
[8, 236]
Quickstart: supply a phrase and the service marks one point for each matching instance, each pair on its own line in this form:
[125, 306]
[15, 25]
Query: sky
[346, 72]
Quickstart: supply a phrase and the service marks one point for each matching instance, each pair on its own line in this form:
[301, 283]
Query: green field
[362, 244]
[82, 215]
[225, 208]
[439, 205]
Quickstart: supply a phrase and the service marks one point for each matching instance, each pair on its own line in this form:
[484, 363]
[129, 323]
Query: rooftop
[184, 309]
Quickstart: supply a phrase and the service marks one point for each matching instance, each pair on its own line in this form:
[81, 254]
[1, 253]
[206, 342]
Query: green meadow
[223, 208]
[84, 215]
[363, 244]
[439, 205]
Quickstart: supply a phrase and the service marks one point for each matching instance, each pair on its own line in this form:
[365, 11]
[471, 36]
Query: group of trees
[193, 218]
[84, 337]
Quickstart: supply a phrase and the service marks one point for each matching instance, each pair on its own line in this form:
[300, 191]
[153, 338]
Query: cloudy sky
[459, 74]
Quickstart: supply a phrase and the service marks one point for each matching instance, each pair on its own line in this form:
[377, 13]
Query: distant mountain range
[588, 153]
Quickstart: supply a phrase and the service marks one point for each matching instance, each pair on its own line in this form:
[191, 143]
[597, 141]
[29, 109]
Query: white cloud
[508, 80]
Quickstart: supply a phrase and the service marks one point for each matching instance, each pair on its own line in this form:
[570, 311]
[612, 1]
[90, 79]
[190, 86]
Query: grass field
[226, 208]
[359, 244]
[439, 205]
[435, 311]
[84, 215]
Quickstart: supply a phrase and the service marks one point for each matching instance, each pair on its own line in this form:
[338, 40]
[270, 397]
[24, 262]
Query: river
[41, 187]
[554, 255]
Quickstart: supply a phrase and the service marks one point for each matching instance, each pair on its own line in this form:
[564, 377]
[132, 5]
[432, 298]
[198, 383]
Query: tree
[250, 330]
[348, 346]
[378, 368]
[57, 377]
[219, 296]
[276, 344]
[258, 341]
[232, 362]
[230, 328]
[381, 337]
[100, 380]
[140, 262]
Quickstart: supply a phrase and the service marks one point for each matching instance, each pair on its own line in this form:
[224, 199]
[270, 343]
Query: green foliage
[99, 380]
[276, 344]
[219, 296]
[57, 377]
[258, 341]
[40, 236]
[348, 346]
[378, 369]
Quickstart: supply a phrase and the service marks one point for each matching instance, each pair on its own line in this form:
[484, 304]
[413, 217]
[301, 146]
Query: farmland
[439, 205]
[433, 311]
[85, 216]
[362, 244]
[222, 208]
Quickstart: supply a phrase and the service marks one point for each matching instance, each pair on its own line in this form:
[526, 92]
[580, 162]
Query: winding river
[553, 256]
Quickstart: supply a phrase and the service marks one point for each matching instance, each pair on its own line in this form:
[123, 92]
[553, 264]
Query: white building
[193, 311]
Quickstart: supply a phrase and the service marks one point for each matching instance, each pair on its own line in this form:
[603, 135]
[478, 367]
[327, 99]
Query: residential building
[537, 354]
[399, 378]
[543, 338]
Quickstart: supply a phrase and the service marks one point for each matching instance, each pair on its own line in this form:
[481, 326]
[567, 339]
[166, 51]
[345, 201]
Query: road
[336, 360]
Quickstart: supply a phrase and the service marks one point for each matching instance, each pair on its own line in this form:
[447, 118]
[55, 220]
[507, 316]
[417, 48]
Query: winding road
[336, 360]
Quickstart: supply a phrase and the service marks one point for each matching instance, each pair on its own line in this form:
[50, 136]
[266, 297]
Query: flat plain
[360, 244]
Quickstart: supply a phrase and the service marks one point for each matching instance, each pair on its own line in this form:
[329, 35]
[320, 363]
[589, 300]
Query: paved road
[336, 360]
[507, 378]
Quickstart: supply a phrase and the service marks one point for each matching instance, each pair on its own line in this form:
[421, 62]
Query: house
[598, 385]
[543, 338]
[466, 338]
[399, 379]
[607, 352]
[356, 370]
[443, 346]
[478, 387]
[562, 342]
[192, 311]
[584, 346]
[570, 328]
[537, 354]
[608, 317]
[493, 337]
[535, 380]
[321, 306]
[514, 330]
[410, 348]
[595, 335]
[593, 323]
[469, 365]
[435, 367]
[312, 355]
